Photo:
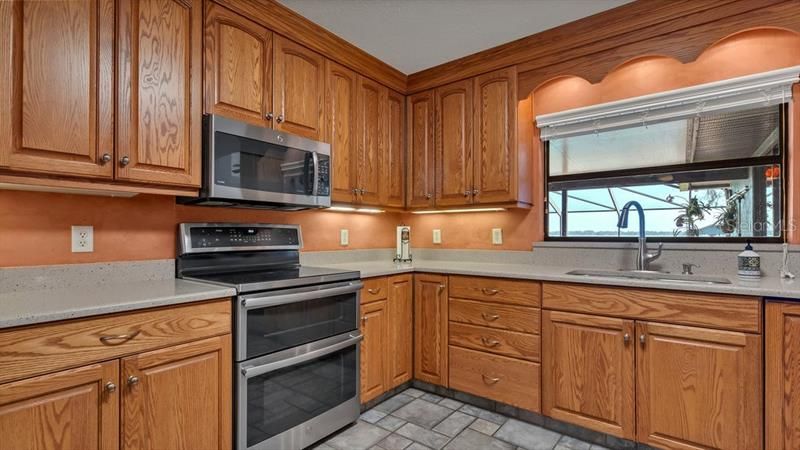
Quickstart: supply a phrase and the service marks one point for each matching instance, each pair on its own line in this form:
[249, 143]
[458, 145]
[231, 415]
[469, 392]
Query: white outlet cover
[344, 237]
[497, 236]
[82, 239]
[437, 236]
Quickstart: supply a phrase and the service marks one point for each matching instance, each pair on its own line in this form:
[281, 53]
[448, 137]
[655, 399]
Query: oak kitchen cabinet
[430, 328]
[371, 143]
[298, 89]
[420, 178]
[611, 364]
[61, 60]
[782, 377]
[393, 164]
[148, 379]
[386, 322]
[453, 143]
[342, 131]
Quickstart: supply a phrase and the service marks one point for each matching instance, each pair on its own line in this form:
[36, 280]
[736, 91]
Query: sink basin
[648, 275]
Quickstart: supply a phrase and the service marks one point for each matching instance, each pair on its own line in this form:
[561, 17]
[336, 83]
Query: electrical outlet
[497, 236]
[82, 239]
[344, 237]
[437, 236]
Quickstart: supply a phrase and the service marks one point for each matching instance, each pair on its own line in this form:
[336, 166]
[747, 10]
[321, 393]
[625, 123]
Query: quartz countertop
[768, 286]
[26, 307]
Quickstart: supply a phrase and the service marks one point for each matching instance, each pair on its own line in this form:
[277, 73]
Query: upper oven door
[251, 163]
[272, 321]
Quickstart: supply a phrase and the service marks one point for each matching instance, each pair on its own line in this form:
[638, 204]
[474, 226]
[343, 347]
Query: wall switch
[497, 236]
[437, 236]
[82, 239]
[344, 237]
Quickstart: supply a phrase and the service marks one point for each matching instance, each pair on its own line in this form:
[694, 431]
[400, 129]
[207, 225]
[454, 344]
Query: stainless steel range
[296, 344]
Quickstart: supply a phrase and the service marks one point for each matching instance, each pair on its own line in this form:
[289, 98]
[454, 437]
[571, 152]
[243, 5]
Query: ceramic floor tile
[395, 442]
[417, 446]
[433, 398]
[372, 416]
[423, 413]
[360, 436]
[450, 403]
[473, 440]
[484, 426]
[571, 443]
[425, 437]
[390, 405]
[527, 436]
[391, 423]
[414, 392]
[483, 414]
[454, 424]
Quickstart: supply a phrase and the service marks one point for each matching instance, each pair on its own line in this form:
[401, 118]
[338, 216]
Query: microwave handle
[315, 159]
[254, 371]
[274, 300]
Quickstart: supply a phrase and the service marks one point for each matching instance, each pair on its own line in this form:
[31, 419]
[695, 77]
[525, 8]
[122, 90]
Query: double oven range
[296, 337]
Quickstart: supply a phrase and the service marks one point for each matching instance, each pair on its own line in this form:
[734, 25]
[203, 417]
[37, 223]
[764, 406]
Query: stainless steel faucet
[643, 259]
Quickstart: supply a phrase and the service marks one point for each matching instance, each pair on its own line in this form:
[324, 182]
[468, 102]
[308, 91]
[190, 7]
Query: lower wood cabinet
[782, 378]
[430, 328]
[386, 323]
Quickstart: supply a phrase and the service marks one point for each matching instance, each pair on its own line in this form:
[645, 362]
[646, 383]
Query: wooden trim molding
[288, 23]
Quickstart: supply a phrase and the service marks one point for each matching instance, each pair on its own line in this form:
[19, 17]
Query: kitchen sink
[650, 275]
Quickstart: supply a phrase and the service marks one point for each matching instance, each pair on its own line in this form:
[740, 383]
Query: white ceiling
[412, 35]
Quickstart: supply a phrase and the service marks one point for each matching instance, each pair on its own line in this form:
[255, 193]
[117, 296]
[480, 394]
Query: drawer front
[727, 312]
[374, 289]
[498, 290]
[40, 349]
[500, 342]
[493, 315]
[506, 380]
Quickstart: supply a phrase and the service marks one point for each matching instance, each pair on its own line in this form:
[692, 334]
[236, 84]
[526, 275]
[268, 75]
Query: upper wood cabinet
[401, 323]
[371, 142]
[342, 130]
[588, 371]
[393, 172]
[454, 144]
[299, 89]
[159, 112]
[430, 328]
[420, 120]
[782, 377]
[76, 409]
[495, 144]
[238, 67]
[57, 79]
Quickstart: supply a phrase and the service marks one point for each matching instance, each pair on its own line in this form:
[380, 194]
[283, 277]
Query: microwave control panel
[324, 176]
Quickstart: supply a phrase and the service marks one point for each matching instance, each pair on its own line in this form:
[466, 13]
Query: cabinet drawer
[39, 349]
[498, 290]
[506, 380]
[504, 317]
[729, 312]
[499, 342]
[374, 289]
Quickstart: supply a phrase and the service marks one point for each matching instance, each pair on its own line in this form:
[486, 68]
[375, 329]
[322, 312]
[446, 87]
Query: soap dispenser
[749, 263]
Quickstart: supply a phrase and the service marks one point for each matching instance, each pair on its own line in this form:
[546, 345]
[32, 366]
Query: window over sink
[705, 163]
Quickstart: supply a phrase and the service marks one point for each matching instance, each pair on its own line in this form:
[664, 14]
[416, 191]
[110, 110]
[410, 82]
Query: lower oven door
[293, 398]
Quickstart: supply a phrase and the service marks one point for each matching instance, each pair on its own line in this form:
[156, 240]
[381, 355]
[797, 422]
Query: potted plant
[694, 210]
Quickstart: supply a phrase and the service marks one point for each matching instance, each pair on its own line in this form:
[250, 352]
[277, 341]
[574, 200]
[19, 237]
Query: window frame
[781, 159]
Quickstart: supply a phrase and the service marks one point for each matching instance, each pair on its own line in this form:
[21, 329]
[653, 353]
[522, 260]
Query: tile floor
[417, 420]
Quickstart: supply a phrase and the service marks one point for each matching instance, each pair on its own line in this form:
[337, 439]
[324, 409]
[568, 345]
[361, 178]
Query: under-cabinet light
[447, 211]
[358, 210]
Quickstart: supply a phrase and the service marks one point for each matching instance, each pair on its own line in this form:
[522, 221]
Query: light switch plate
[497, 236]
[344, 237]
[82, 239]
[437, 236]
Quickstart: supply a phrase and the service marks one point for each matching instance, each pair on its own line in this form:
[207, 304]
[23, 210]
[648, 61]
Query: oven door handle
[254, 371]
[282, 299]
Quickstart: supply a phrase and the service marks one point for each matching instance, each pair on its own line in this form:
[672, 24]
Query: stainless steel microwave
[250, 166]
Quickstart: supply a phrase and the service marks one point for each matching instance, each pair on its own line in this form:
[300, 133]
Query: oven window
[284, 326]
[250, 164]
[285, 398]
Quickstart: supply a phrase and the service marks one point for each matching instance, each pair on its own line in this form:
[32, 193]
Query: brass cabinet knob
[626, 338]
[105, 158]
[111, 387]
[642, 339]
[280, 118]
[133, 380]
[268, 116]
[124, 161]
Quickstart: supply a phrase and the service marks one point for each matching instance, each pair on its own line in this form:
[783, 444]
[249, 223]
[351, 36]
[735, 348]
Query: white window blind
[767, 88]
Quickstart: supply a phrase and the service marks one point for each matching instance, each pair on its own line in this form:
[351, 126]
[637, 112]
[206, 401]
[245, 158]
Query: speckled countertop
[30, 306]
[767, 286]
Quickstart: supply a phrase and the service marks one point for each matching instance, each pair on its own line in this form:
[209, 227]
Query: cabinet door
[393, 173]
[75, 409]
[238, 67]
[178, 397]
[299, 89]
[430, 328]
[454, 144]
[401, 322]
[342, 130]
[588, 371]
[782, 334]
[420, 122]
[698, 388]
[371, 143]
[56, 75]
[159, 109]
[374, 326]
[495, 127]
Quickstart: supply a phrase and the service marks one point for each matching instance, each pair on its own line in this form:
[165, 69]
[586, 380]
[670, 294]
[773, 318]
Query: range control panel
[198, 238]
